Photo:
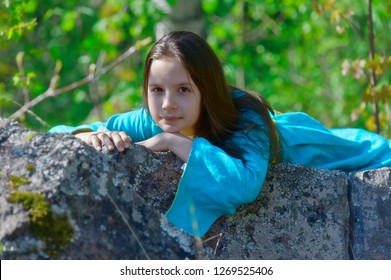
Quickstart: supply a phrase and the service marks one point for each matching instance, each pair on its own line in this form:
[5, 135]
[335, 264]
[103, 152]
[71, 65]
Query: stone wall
[61, 199]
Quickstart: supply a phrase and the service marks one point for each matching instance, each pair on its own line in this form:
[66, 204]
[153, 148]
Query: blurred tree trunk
[184, 15]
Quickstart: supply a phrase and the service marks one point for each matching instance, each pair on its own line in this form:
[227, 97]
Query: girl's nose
[169, 102]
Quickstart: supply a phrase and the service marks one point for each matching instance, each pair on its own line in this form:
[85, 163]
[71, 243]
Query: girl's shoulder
[247, 106]
[237, 93]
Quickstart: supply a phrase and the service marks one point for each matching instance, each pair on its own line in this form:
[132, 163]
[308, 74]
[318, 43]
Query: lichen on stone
[53, 229]
[30, 167]
[17, 181]
[29, 136]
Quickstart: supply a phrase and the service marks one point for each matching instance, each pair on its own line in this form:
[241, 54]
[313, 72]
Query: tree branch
[52, 91]
[373, 78]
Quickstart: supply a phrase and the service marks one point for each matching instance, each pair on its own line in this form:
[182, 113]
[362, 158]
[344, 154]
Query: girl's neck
[189, 132]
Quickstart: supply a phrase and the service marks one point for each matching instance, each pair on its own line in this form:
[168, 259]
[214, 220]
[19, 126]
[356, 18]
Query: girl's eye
[184, 90]
[157, 90]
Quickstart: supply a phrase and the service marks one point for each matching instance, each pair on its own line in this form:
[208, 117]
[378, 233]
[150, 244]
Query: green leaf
[69, 21]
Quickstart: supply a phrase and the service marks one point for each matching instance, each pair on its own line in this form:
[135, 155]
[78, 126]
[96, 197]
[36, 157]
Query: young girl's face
[174, 100]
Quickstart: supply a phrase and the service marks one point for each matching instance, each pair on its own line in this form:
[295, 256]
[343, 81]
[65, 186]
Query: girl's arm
[118, 131]
[215, 183]
[177, 143]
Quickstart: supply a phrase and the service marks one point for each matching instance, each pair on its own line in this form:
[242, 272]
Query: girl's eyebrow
[179, 84]
[184, 84]
[153, 85]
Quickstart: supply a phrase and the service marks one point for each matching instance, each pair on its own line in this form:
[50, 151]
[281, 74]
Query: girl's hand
[157, 143]
[178, 143]
[111, 139]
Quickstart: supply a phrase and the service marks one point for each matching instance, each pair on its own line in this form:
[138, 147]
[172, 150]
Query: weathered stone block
[61, 199]
[370, 198]
[301, 213]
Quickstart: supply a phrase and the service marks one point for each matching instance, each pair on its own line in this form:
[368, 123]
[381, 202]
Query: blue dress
[223, 182]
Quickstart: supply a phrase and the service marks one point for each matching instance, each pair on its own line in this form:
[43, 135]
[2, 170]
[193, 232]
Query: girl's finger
[118, 142]
[126, 138]
[106, 140]
[95, 142]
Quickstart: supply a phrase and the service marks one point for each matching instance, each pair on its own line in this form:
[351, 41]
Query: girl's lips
[170, 119]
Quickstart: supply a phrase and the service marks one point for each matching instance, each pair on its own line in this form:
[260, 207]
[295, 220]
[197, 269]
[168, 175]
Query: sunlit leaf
[384, 93]
[108, 9]
[367, 96]
[29, 77]
[16, 79]
[69, 21]
[329, 5]
[210, 6]
[10, 33]
[370, 124]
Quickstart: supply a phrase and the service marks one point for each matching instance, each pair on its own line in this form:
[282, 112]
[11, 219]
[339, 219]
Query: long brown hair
[219, 116]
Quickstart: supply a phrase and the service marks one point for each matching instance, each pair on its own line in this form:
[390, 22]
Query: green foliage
[372, 72]
[292, 51]
[14, 27]
[77, 33]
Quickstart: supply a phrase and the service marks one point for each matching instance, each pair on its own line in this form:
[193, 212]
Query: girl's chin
[186, 131]
[177, 129]
[169, 129]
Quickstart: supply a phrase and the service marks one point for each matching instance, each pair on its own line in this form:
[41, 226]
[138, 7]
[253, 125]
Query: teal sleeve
[215, 183]
[137, 124]
[72, 129]
[308, 142]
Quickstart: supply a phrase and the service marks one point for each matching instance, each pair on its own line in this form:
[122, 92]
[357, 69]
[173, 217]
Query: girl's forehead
[170, 68]
[168, 60]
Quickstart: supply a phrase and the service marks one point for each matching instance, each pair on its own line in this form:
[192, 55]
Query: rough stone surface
[301, 213]
[370, 198]
[97, 194]
[110, 206]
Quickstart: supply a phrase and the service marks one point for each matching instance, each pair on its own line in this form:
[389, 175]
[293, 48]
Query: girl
[225, 135]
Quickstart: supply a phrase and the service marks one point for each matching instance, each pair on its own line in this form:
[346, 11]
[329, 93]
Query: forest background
[73, 60]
